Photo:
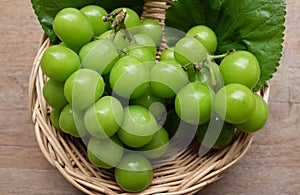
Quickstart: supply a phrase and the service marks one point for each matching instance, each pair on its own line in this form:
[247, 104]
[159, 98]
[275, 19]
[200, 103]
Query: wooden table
[271, 166]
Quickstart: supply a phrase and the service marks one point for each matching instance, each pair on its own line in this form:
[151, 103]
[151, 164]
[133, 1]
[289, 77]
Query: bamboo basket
[187, 174]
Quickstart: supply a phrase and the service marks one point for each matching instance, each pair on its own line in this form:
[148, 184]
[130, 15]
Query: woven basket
[187, 174]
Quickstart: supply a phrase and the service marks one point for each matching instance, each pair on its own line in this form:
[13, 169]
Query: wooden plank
[41, 182]
[20, 157]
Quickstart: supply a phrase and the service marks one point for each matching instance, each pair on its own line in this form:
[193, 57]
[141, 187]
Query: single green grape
[140, 52]
[193, 103]
[71, 122]
[104, 118]
[257, 119]
[83, 88]
[73, 27]
[95, 15]
[240, 67]
[235, 103]
[153, 29]
[59, 62]
[204, 35]
[138, 127]
[53, 92]
[134, 173]
[167, 78]
[189, 50]
[129, 78]
[99, 55]
[143, 54]
[105, 153]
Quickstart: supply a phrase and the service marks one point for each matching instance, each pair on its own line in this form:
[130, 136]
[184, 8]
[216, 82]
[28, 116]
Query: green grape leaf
[253, 25]
[47, 9]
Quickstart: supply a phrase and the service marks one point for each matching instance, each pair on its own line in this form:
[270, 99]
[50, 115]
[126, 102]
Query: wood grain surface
[271, 166]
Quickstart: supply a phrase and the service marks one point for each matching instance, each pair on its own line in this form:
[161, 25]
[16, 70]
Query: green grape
[240, 67]
[105, 153]
[158, 146]
[167, 78]
[168, 54]
[104, 118]
[193, 103]
[53, 92]
[129, 77]
[258, 118]
[138, 127]
[235, 103]
[83, 88]
[95, 15]
[153, 29]
[146, 41]
[54, 118]
[143, 54]
[99, 55]
[119, 38]
[134, 173]
[59, 62]
[189, 50]
[211, 137]
[71, 122]
[206, 36]
[73, 27]
[151, 102]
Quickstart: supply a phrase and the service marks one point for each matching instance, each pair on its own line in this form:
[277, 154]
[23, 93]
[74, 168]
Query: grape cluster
[105, 83]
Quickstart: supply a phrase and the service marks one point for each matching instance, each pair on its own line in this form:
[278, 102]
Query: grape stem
[187, 66]
[118, 23]
[122, 51]
[213, 57]
[207, 64]
[194, 65]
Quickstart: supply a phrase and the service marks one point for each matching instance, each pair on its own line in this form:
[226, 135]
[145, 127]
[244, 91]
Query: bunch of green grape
[106, 83]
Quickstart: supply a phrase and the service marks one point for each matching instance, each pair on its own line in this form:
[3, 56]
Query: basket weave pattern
[187, 174]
